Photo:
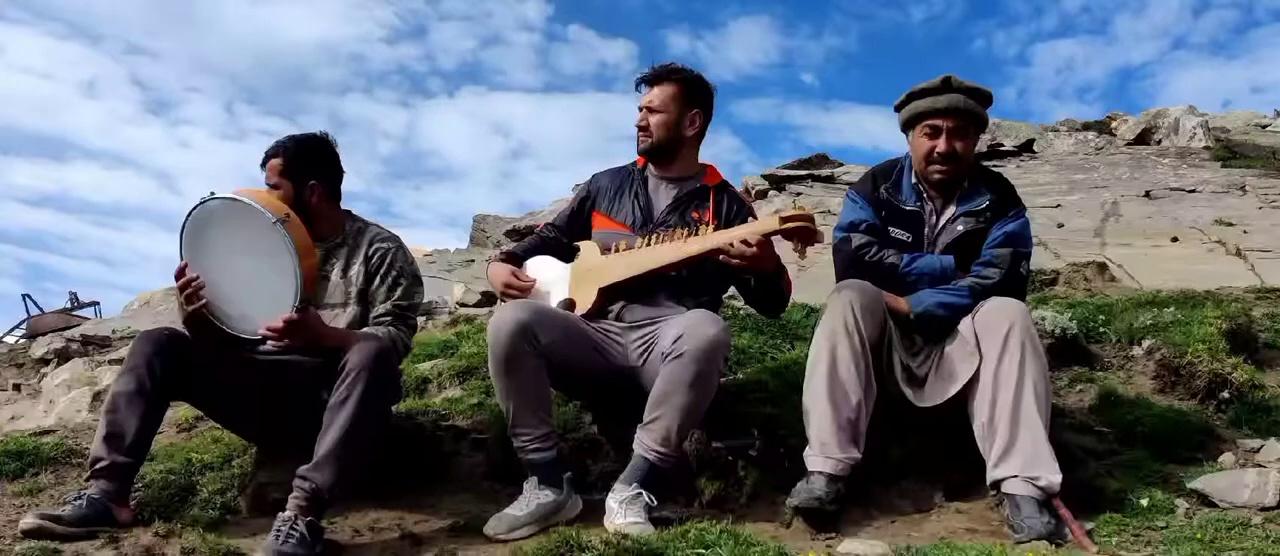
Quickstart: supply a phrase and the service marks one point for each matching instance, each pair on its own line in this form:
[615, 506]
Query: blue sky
[116, 116]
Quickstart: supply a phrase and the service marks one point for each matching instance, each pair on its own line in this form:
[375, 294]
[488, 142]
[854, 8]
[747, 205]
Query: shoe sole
[811, 506]
[570, 511]
[40, 529]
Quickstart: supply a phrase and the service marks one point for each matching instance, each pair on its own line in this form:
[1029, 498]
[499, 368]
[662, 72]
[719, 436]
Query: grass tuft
[196, 481]
[23, 456]
[701, 537]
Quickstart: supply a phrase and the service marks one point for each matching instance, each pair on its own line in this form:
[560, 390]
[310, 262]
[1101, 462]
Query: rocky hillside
[1170, 198]
[1164, 400]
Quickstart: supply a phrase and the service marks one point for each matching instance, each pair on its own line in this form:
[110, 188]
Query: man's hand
[190, 289]
[755, 254]
[510, 282]
[897, 305]
[305, 329]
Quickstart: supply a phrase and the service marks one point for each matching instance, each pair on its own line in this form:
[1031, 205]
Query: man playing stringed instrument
[323, 391]
[932, 253]
[661, 332]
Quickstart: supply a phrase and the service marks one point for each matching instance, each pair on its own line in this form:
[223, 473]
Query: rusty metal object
[43, 322]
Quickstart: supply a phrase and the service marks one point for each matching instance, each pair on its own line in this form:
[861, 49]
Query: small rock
[1060, 225]
[1256, 520]
[466, 296]
[1227, 460]
[56, 348]
[864, 547]
[1181, 507]
[1174, 239]
[1240, 488]
[1269, 455]
[1250, 444]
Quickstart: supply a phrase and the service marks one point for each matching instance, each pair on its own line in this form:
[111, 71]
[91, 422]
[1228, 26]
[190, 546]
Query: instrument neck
[627, 264]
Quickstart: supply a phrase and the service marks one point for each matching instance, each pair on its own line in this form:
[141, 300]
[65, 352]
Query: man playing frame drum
[325, 388]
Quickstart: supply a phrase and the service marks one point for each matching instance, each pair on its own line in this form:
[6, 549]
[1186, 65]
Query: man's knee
[859, 294]
[515, 319]
[165, 343]
[1003, 313]
[704, 331]
[373, 360]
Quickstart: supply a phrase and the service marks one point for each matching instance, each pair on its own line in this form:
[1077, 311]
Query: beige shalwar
[994, 354]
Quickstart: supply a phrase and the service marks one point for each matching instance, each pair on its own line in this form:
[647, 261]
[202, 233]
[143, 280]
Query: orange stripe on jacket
[602, 223]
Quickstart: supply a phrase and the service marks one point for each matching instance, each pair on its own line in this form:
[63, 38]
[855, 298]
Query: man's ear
[314, 192]
[693, 122]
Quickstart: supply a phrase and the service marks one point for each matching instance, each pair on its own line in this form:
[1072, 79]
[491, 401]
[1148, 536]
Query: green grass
[200, 543]
[1150, 523]
[710, 538]
[1232, 159]
[187, 419]
[23, 456]
[1207, 335]
[38, 548]
[453, 384]
[1168, 433]
[196, 481]
[31, 486]
[948, 548]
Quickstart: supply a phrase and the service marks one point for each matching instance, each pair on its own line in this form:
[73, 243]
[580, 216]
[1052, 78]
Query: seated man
[662, 333]
[324, 387]
[932, 254]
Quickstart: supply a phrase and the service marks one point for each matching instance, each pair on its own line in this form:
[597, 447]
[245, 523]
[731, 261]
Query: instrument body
[576, 286]
[255, 256]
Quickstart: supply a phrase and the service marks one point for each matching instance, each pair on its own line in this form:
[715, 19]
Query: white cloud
[808, 78]
[826, 124]
[1077, 57]
[115, 119]
[750, 45]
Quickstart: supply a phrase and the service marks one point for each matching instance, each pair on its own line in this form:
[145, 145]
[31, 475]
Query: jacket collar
[974, 194]
[710, 176]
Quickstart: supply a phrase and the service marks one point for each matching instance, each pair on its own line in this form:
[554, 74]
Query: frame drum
[254, 255]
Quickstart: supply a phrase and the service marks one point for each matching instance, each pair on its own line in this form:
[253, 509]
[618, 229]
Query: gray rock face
[1250, 444]
[1011, 134]
[66, 396]
[1227, 460]
[1181, 126]
[816, 161]
[1269, 455]
[1241, 488]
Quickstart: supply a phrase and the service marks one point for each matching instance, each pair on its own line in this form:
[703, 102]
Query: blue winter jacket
[983, 250]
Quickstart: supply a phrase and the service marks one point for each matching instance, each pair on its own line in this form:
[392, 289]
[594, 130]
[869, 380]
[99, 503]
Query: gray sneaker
[537, 508]
[626, 510]
[817, 491]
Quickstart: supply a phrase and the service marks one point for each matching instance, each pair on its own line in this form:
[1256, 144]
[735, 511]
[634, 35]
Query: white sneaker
[537, 508]
[626, 510]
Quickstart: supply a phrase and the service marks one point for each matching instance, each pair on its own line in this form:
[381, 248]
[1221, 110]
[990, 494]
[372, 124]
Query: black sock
[639, 471]
[550, 472]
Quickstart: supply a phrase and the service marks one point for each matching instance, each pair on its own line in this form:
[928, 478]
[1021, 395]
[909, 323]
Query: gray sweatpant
[994, 358]
[534, 347]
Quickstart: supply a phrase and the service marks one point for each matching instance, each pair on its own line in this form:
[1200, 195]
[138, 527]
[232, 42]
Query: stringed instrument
[576, 286]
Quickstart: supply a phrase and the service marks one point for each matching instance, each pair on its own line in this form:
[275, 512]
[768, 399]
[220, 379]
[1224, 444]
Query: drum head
[247, 261]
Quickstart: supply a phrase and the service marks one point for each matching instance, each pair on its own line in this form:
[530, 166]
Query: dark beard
[659, 152]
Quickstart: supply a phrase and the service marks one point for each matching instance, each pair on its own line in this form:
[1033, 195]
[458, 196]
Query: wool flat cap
[946, 93]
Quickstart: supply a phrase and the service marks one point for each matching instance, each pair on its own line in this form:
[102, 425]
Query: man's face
[942, 149]
[662, 124]
[283, 190]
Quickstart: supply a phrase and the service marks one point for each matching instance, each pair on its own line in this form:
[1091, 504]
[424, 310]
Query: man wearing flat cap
[932, 253]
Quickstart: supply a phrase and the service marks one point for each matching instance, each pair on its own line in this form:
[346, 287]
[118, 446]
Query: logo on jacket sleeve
[904, 236]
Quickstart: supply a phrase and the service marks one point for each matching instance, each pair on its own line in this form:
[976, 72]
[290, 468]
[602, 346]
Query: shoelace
[289, 530]
[633, 503]
[75, 500]
[532, 495]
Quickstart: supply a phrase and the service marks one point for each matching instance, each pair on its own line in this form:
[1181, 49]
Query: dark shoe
[84, 515]
[294, 534]
[1029, 520]
[817, 491]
